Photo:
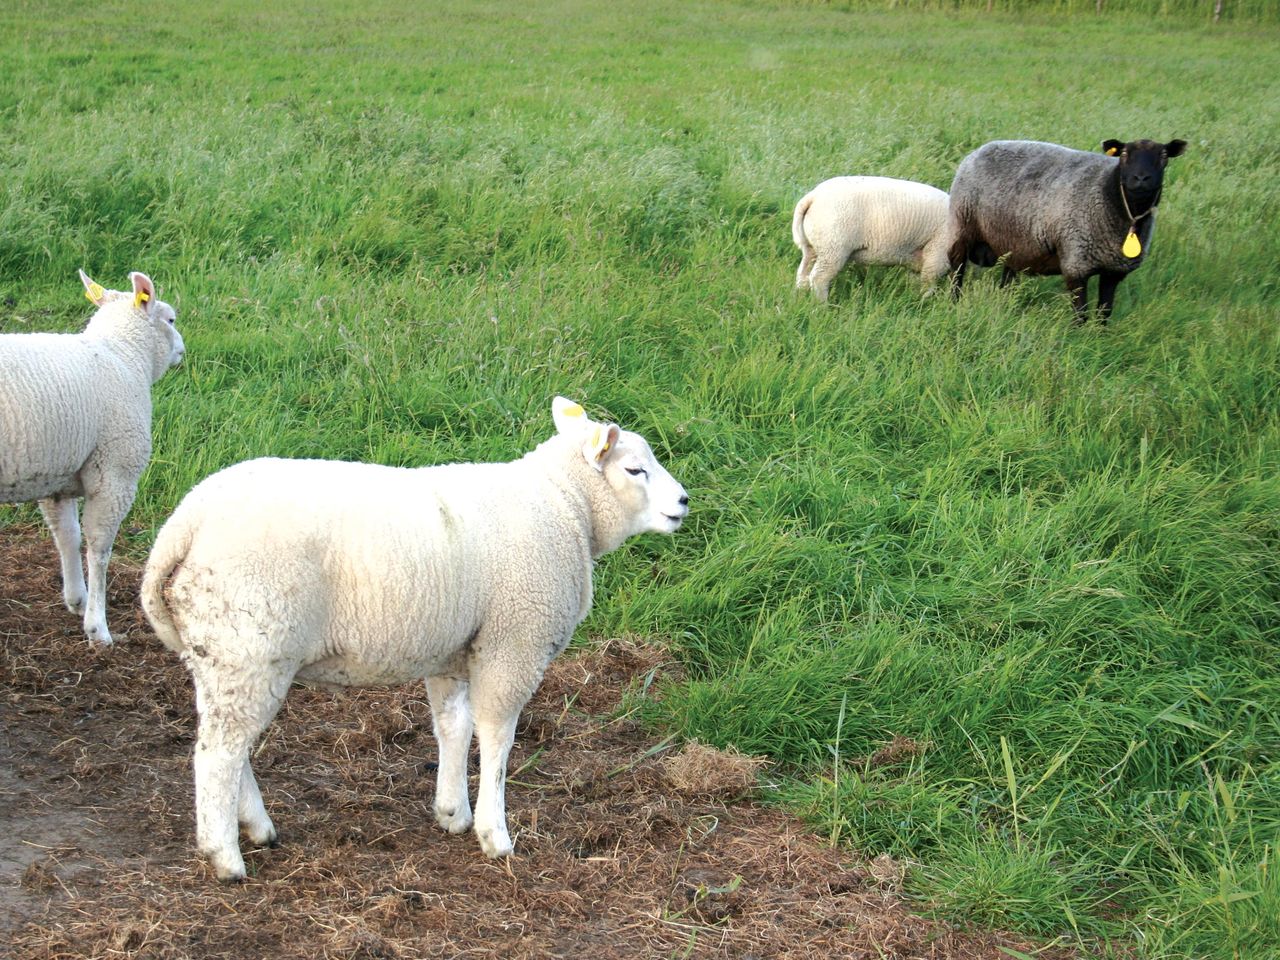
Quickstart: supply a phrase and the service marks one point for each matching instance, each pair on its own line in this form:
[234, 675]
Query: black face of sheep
[1142, 164]
[1046, 209]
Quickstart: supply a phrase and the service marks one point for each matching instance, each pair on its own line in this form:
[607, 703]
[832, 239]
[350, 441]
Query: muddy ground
[626, 845]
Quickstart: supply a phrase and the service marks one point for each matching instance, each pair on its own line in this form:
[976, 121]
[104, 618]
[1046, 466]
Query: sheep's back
[1031, 200]
[884, 219]
[389, 570]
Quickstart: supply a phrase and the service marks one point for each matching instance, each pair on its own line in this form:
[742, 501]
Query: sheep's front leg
[104, 508]
[496, 732]
[502, 680]
[451, 718]
[1107, 283]
[64, 524]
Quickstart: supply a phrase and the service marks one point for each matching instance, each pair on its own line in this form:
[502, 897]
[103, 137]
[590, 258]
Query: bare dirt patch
[614, 858]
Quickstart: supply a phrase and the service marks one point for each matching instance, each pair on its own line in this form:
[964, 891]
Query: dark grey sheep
[1048, 209]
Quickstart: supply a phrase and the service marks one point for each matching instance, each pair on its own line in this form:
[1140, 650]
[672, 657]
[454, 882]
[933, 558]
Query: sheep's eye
[636, 471]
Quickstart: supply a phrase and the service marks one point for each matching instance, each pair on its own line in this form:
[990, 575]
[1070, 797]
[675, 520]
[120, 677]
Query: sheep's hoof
[99, 634]
[496, 846]
[228, 870]
[454, 821]
[264, 838]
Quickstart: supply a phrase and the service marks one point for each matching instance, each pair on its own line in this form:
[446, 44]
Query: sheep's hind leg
[958, 261]
[934, 264]
[957, 279]
[252, 814]
[234, 708]
[451, 717]
[218, 763]
[1079, 289]
[64, 524]
[806, 265]
[824, 272]
[104, 508]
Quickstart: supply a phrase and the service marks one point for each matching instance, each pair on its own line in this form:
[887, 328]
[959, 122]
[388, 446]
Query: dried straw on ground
[624, 850]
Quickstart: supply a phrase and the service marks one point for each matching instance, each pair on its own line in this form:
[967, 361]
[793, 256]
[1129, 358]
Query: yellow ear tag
[140, 298]
[1111, 151]
[595, 436]
[94, 293]
[573, 410]
[1131, 246]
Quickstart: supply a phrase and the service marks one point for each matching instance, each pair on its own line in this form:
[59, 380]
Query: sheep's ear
[567, 415]
[1112, 147]
[602, 438]
[1174, 148]
[144, 291]
[93, 290]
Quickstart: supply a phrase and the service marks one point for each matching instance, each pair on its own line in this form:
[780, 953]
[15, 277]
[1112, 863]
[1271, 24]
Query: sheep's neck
[588, 497]
[127, 344]
[133, 356]
[607, 527]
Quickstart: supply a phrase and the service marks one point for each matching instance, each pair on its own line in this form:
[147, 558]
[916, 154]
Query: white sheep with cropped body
[472, 576]
[870, 220]
[75, 421]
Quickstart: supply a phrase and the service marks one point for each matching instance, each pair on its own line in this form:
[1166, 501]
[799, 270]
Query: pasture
[998, 596]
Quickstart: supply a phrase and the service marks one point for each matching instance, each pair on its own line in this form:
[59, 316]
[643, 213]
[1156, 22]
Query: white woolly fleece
[870, 220]
[75, 421]
[470, 575]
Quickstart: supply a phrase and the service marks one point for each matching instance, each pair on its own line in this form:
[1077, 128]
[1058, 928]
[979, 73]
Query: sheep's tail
[172, 544]
[797, 224]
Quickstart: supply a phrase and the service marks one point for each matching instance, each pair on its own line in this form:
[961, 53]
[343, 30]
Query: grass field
[1045, 556]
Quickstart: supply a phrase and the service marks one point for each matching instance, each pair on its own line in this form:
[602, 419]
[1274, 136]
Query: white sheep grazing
[472, 576]
[75, 421]
[871, 220]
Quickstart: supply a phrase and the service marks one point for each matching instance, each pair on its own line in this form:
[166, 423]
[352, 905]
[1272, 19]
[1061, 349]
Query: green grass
[1202, 11]
[1047, 555]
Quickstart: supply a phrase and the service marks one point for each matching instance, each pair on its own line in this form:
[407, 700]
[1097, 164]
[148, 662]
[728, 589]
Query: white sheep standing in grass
[75, 421]
[870, 220]
[353, 574]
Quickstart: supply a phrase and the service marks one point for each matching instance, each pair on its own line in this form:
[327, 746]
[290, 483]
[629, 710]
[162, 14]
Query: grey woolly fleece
[1048, 209]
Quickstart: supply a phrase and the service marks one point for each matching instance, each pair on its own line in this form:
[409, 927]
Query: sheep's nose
[684, 501]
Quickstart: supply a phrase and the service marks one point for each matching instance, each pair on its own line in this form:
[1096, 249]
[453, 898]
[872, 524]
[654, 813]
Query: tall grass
[1046, 556]
[1207, 11]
